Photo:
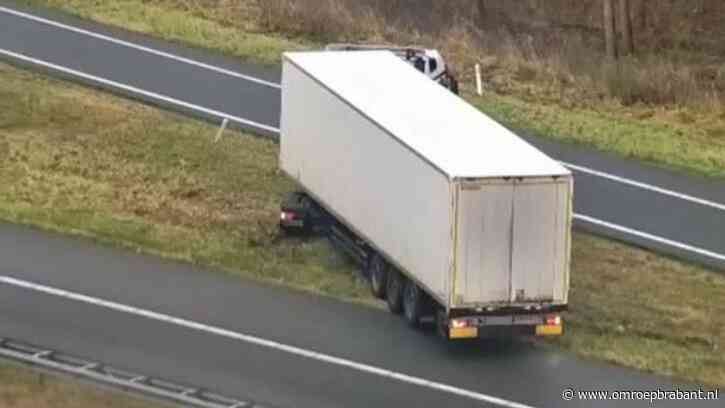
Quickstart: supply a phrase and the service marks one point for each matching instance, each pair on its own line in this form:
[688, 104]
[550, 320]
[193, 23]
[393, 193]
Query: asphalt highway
[686, 220]
[667, 211]
[518, 373]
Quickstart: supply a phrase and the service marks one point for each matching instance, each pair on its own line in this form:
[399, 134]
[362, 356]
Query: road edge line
[258, 341]
[138, 47]
[651, 237]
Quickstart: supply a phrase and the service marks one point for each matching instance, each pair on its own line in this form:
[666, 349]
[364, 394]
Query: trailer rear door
[512, 242]
[484, 243]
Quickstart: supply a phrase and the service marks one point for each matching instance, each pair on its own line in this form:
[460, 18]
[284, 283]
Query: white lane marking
[369, 369]
[138, 91]
[646, 186]
[655, 238]
[139, 47]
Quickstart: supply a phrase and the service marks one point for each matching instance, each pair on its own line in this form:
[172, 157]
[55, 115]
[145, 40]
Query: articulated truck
[453, 218]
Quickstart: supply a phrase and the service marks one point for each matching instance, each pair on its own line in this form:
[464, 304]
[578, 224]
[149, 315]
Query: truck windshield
[419, 64]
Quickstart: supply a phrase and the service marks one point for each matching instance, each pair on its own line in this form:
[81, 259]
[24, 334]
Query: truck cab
[428, 61]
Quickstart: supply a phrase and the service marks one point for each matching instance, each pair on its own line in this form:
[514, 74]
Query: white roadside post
[221, 130]
[479, 84]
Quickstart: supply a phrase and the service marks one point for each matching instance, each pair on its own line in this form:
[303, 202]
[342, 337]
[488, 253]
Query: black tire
[394, 291]
[378, 275]
[306, 208]
[413, 303]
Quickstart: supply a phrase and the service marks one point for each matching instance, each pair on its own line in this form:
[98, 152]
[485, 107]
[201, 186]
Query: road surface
[520, 373]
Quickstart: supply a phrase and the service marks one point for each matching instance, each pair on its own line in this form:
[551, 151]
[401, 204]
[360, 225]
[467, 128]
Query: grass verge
[24, 388]
[134, 175]
[665, 141]
[682, 138]
[87, 163]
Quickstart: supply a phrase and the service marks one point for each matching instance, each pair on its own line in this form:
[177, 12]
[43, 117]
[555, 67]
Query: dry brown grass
[540, 50]
[321, 19]
[546, 55]
[23, 388]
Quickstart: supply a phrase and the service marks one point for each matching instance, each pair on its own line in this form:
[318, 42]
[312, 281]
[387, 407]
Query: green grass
[22, 388]
[682, 139]
[637, 309]
[690, 146]
[86, 163]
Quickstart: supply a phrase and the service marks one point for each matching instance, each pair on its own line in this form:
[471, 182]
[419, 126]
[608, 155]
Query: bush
[327, 20]
[652, 81]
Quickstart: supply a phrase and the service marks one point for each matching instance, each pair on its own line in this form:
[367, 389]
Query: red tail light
[463, 323]
[553, 320]
[287, 216]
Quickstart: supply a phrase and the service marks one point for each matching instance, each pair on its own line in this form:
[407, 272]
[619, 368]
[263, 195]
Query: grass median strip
[130, 174]
[24, 388]
[683, 138]
[86, 163]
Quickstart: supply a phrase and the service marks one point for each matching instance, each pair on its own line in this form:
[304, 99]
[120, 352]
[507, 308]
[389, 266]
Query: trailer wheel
[378, 275]
[413, 303]
[394, 291]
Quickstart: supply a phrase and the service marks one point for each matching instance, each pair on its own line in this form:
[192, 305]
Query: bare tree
[610, 33]
[625, 24]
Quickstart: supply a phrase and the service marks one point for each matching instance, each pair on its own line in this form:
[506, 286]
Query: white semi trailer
[451, 215]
